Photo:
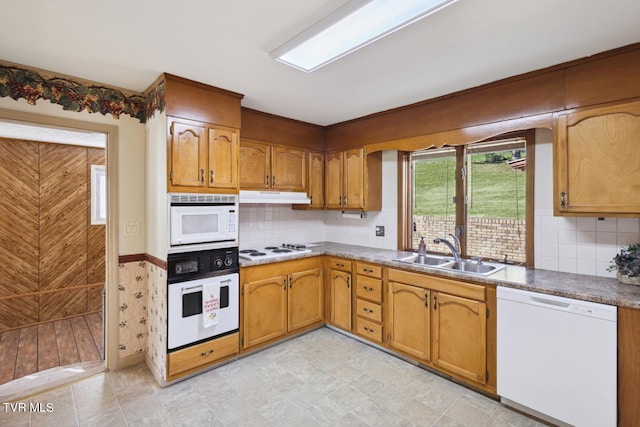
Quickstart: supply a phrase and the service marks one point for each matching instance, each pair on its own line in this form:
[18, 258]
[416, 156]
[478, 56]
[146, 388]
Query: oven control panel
[199, 264]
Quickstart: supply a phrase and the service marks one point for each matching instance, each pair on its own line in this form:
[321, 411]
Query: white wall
[573, 245]
[131, 165]
[262, 225]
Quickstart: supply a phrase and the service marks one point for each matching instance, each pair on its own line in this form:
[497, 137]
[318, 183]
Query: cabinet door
[223, 158]
[255, 167]
[354, 179]
[305, 298]
[188, 155]
[409, 320]
[460, 336]
[316, 179]
[333, 180]
[340, 284]
[265, 310]
[597, 156]
[288, 169]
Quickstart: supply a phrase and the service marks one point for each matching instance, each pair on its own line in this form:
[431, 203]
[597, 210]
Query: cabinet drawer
[201, 354]
[369, 270]
[340, 264]
[369, 310]
[370, 289]
[369, 330]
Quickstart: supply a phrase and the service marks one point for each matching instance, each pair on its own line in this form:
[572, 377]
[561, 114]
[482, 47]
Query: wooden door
[255, 166]
[265, 310]
[409, 320]
[188, 155]
[333, 180]
[305, 298]
[288, 169]
[340, 285]
[459, 334]
[223, 158]
[316, 179]
[354, 179]
[597, 157]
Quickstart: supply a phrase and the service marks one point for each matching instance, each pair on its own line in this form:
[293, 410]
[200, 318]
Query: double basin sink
[462, 266]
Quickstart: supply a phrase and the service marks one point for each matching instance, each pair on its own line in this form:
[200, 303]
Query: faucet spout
[454, 250]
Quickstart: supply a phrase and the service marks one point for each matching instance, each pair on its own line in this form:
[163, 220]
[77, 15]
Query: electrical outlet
[379, 230]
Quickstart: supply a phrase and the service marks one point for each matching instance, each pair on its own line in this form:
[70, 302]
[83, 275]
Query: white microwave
[202, 221]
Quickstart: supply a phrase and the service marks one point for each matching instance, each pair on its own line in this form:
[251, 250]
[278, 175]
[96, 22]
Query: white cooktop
[282, 251]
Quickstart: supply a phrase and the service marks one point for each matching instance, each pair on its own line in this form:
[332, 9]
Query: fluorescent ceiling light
[352, 26]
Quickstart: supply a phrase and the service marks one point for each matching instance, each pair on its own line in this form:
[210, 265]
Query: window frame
[405, 216]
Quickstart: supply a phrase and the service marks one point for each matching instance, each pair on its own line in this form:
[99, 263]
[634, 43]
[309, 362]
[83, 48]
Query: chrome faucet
[454, 248]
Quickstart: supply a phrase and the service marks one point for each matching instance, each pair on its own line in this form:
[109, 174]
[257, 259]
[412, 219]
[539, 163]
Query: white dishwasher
[557, 357]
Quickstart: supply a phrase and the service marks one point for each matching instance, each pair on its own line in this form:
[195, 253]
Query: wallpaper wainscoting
[157, 315]
[132, 306]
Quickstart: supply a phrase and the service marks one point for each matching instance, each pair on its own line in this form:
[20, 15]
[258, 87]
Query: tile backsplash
[581, 245]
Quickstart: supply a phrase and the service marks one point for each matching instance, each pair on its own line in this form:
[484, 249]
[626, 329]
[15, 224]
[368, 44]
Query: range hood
[280, 197]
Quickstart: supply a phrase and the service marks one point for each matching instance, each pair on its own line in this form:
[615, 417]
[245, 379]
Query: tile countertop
[580, 286]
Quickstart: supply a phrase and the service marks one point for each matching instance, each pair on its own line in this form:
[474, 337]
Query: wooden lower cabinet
[197, 357]
[409, 320]
[341, 295]
[280, 298]
[460, 336]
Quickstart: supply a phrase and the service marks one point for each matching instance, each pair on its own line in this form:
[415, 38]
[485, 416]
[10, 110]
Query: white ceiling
[226, 43]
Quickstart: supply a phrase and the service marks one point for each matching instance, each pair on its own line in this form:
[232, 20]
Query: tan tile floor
[322, 378]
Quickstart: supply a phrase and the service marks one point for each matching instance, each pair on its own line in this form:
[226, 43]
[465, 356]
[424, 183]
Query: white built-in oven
[202, 221]
[188, 274]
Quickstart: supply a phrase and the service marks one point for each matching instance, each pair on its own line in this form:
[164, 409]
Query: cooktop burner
[274, 251]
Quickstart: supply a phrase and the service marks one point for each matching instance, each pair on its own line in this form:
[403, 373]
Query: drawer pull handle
[368, 329]
[368, 289]
[563, 200]
[202, 176]
[367, 310]
[206, 353]
[367, 270]
[340, 265]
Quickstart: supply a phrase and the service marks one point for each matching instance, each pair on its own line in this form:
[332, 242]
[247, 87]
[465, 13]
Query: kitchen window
[482, 193]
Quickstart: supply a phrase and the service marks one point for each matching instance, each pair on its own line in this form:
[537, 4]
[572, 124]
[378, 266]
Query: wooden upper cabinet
[264, 166]
[288, 169]
[255, 165]
[597, 161]
[353, 180]
[202, 158]
[316, 179]
[223, 158]
[333, 180]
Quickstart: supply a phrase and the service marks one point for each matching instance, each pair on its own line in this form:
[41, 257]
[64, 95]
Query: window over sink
[481, 193]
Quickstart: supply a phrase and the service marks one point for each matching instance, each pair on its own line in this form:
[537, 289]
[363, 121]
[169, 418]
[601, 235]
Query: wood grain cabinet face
[263, 166]
[316, 180]
[341, 299]
[353, 180]
[459, 336]
[410, 320]
[202, 158]
[597, 161]
[281, 298]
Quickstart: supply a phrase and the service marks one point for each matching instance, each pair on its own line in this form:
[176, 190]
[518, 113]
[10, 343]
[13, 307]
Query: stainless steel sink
[424, 260]
[472, 267]
[441, 263]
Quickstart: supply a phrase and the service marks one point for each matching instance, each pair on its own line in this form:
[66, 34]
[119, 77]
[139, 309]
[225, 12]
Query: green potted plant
[627, 262]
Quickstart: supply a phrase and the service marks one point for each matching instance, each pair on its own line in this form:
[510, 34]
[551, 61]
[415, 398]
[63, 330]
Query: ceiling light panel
[354, 25]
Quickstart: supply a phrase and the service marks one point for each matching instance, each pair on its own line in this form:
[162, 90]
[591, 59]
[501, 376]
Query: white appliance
[269, 252]
[202, 221]
[186, 275]
[274, 197]
[557, 357]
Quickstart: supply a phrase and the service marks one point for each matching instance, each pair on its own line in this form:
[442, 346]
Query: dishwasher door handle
[554, 303]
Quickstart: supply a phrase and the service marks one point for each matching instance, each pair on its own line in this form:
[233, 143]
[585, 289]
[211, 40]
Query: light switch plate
[131, 228]
[379, 230]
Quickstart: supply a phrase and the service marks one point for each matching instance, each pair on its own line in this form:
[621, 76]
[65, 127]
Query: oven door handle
[192, 289]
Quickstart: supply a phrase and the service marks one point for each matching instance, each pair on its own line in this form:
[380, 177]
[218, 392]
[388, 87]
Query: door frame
[110, 321]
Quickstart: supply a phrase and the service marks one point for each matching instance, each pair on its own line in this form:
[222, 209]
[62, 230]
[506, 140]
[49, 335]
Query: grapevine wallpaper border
[17, 82]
